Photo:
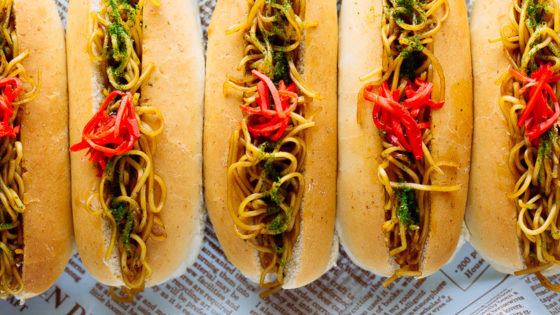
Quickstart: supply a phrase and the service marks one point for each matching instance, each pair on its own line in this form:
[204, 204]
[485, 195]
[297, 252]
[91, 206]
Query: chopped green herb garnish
[412, 61]
[278, 224]
[536, 10]
[281, 70]
[7, 226]
[407, 209]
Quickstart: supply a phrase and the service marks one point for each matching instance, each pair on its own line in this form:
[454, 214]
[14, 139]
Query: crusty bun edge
[491, 216]
[47, 221]
[463, 238]
[172, 41]
[360, 215]
[452, 127]
[290, 282]
[317, 229]
[223, 54]
[318, 60]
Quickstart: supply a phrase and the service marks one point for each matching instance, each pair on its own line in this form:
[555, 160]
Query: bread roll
[47, 223]
[360, 212]
[171, 40]
[315, 249]
[492, 216]
[492, 225]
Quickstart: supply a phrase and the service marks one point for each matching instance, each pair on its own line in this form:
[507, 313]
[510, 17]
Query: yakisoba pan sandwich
[35, 217]
[404, 133]
[515, 191]
[136, 87]
[270, 137]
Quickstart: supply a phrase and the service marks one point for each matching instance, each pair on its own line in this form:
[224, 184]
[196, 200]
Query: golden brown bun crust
[172, 41]
[491, 216]
[83, 96]
[47, 219]
[452, 130]
[319, 199]
[360, 213]
[222, 115]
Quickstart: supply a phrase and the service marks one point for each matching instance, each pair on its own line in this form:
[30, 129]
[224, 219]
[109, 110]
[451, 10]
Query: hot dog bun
[360, 214]
[493, 226]
[491, 216]
[47, 221]
[172, 42]
[315, 249]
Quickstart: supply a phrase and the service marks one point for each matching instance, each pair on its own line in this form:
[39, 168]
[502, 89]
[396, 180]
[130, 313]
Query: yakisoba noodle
[530, 40]
[11, 155]
[408, 40]
[130, 195]
[265, 178]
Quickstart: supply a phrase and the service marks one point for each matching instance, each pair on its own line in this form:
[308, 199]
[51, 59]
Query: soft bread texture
[360, 213]
[221, 113]
[492, 225]
[84, 85]
[452, 130]
[319, 59]
[47, 219]
[172, 41]
[491, 216]
[315, 247]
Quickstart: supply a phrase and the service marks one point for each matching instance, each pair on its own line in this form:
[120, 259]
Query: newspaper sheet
[467, 285]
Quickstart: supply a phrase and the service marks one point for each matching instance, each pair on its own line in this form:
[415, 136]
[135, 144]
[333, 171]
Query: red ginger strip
[266, 121]
[12, 87]
[538, 116]
[107, 135]
[400, 122]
